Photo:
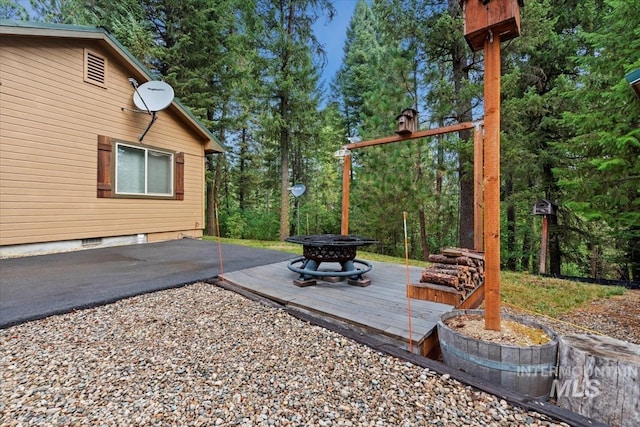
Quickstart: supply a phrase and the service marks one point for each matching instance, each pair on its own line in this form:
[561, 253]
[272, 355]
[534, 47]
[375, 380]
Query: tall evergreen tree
[373, 93]
[412, 17]
[539, 67]
[288, 44]
[603, 183]
[362, 54]
[527, 80]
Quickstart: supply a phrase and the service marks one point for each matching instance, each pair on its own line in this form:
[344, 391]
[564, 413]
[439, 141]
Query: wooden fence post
[346, 178]
[478, 187]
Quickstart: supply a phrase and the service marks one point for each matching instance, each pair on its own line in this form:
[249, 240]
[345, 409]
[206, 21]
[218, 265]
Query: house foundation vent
[91, 242]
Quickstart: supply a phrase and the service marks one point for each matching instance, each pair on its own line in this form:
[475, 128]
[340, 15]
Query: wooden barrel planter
[528, 370]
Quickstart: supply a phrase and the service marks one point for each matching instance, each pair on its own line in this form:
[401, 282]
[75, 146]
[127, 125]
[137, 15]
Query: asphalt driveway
[39, 286]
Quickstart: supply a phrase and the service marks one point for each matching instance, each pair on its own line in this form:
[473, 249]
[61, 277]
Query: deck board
[381, 308]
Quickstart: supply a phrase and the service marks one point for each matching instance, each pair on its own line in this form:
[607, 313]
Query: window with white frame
[143, 171]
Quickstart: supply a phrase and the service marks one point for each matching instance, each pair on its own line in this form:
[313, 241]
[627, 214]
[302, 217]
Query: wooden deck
[380, 308]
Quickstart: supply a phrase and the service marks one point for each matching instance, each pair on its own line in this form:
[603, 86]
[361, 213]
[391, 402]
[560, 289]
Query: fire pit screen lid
[331, 240]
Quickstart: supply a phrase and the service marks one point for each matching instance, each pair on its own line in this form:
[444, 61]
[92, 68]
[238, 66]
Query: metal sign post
[297, 191]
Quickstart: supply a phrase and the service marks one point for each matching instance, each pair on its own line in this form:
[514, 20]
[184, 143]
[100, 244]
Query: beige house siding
[50, 119]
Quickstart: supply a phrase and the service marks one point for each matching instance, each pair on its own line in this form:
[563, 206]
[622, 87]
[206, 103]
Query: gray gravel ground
[200, 355]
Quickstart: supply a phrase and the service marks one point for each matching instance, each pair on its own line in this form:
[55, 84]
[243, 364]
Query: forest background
[250, 71]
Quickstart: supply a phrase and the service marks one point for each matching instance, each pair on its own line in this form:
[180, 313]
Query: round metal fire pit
[338, 248]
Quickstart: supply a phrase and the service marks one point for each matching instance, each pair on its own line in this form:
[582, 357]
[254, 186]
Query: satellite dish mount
[151, 97]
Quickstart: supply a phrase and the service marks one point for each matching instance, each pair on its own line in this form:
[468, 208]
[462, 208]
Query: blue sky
[332, 36]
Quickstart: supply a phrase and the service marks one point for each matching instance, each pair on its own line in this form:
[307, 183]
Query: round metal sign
[298, 190]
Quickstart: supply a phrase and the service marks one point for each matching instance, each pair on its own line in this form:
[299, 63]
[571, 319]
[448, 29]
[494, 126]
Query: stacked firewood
[461, 269]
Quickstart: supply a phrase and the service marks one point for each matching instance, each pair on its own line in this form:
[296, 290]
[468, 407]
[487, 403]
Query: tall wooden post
[346, 179]
[544, 244]
[492, 181]
[478, 187]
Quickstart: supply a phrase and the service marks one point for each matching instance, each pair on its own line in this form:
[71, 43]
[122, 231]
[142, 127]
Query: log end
[605, 347]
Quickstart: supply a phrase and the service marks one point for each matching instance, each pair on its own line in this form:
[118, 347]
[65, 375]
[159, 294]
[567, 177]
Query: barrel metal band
[495, 364]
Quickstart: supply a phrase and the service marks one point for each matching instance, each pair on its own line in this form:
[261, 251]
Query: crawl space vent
[91, 242]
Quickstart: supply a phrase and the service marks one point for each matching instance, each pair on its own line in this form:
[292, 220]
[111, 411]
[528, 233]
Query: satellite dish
[153, 96]
[298, 190]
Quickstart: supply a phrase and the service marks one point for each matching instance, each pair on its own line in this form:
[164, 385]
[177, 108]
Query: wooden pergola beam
[478, 166]
[414, 135]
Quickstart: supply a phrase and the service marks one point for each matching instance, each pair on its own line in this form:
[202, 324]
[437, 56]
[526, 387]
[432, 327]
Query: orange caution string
[219, 242]
[406, 256]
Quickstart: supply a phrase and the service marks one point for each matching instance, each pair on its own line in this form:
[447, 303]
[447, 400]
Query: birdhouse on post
[482, 18]
[545, 207]
[407, 122]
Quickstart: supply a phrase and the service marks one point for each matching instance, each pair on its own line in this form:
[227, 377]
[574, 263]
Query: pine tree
[290, 79]
[603, 184]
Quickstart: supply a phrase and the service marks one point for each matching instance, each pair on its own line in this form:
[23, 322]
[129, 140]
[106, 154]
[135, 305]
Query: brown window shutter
[104, 166]
[179, 176]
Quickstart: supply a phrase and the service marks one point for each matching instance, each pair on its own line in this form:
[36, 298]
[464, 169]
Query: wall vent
[95, 69]
[91, 242]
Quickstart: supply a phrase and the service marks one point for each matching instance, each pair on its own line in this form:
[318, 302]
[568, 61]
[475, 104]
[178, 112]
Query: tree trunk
[211, 197]
[463, 112]
[242, 165]
[551, 193]
[465, 220]
[555, 256]
[634, 255]
[285, 135]
[598, 378]
[215, 164]
[512, 260]
[440, 169]
[423, 234]
[213, 193]
[421, 215]
[527, 240]
[284, 177]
